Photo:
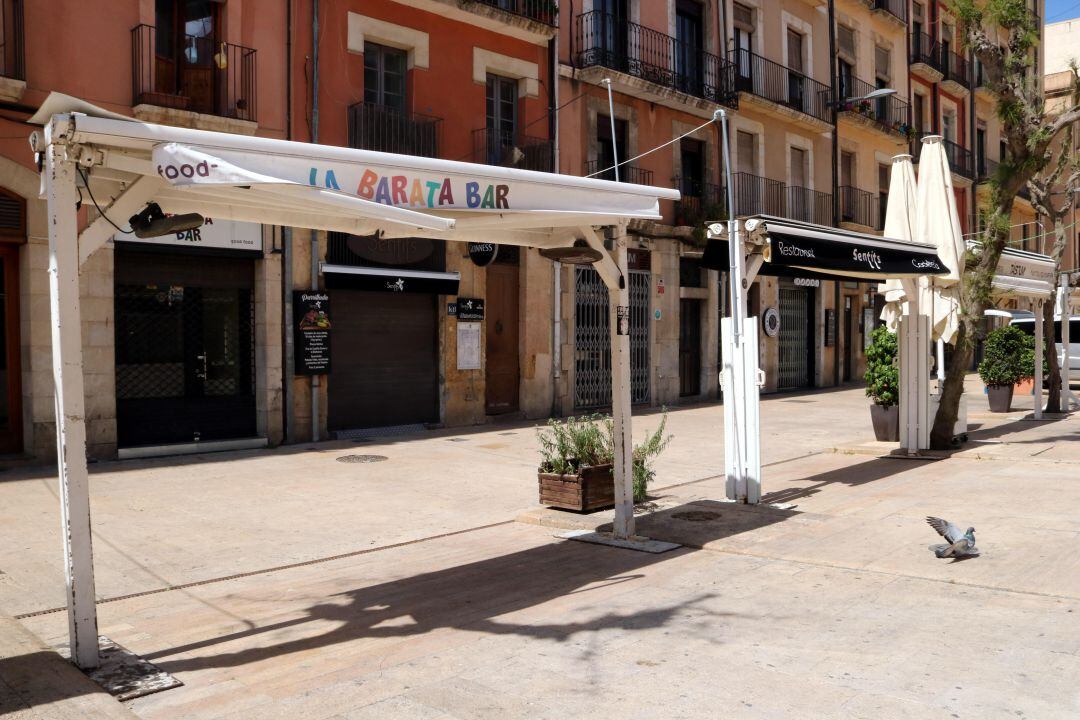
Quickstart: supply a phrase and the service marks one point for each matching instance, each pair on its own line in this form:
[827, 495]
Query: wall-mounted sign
[451, 309]
[830, 328]
[218, 234]
[660, 286]
[390, 251]
[807, 282]
[483, 254]
[468, 346]
[622, 315]
[770, 320]
[311, 323]
[470, 308]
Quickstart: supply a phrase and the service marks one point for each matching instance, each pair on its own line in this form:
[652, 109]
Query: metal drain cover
[696, 516]
[361, 458]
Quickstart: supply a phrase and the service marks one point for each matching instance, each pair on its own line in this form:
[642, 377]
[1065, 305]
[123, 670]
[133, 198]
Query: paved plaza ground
[429, 585]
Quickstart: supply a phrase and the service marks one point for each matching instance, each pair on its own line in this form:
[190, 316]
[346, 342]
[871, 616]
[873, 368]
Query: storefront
[185, 335]
[796, 332]
[12, 237]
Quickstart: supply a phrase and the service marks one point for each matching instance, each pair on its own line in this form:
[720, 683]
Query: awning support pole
[70, 405]
[1037, 391]
[1065, 313]
[619, 322]
[914, 347]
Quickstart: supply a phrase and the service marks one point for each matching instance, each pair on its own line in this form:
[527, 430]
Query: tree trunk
[1053, 398]
[941, 435]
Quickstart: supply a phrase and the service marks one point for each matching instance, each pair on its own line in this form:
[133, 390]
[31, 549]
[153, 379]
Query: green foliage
[882, 371]
[1027, 360]
[1004, 355]
[569, 445]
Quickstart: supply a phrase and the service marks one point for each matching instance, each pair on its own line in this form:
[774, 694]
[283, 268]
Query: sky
[1058, 10]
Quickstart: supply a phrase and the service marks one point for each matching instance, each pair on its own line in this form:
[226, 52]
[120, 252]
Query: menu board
[311, 317]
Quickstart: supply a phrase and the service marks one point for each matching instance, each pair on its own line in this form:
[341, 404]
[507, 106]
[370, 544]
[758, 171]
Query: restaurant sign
[311, 316]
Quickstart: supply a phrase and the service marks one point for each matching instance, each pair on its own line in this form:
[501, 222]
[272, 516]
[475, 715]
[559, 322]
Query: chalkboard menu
[311, 318]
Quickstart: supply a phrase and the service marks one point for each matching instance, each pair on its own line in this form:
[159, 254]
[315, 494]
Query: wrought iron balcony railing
[781, 85]
[985, 168]
[961, 160]
[11, 40]
[756, 195]
[896, 8]
[889, 112]
[812, 206]
[377, 127]
[200, 74]
[627, 173]
[925, 50]
[542, 11]
[956, 68]
[512, 149]
[699, 199]
[613, 42]
[859, 206]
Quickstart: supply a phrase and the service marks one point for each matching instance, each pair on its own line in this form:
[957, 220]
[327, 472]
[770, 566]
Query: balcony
[888, 114]
[860, 207]
[753, 195]
[627, 173]
[377, 127]
[925, 57]
[895, 10]
[961, 160]
[656, 65]
[957, 73]
[511, 149]
[805, 100]
[200, 76]
[985, 168]
[541, 11]
[12, 68]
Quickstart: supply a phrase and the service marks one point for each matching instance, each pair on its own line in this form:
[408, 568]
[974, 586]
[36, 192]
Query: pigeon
[959, 544]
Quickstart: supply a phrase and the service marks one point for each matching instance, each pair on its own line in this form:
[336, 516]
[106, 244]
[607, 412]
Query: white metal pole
[1065, 312]
[70, 406]
[619, 302]
[940, 364]
[614, 142]
[1037, 390]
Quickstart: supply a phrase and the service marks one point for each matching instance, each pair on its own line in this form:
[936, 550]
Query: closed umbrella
[900, 219]
[938, 223]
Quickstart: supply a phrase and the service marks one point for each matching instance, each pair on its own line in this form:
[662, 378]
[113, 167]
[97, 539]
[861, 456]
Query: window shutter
[881, 61]
[845, 38]
[744, 16]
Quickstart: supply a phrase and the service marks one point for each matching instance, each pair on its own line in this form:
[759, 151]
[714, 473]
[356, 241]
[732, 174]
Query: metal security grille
[592, 342]
[794, 338]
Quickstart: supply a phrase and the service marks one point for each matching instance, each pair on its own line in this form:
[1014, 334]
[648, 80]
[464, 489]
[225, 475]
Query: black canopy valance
[794, 249]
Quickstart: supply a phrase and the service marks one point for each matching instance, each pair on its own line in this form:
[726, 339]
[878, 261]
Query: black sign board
[311, 323]
[483, 253]
[830, 328]
[386, 280]
[470, 309]
[851, 255]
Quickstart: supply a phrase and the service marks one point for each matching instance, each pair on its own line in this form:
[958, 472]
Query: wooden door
[849, 339]
[10, 374]
[689, 348]
[502, 370]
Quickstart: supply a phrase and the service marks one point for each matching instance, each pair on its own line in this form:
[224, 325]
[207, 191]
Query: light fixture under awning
[376, 279]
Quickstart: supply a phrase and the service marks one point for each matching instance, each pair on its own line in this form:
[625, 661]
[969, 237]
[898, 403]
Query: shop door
[849, 338]
[185, 357]
[384, 361]
[10, 380]
[689, 348]
[592, 341]
[796, 337]
[502, 371]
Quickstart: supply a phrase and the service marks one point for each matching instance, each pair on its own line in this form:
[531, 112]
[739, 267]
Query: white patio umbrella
[938, 223]
[900, 219]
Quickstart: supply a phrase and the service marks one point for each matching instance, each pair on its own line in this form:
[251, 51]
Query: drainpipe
[556, 279]
[314, 233]
[835, 183]
[288, 358]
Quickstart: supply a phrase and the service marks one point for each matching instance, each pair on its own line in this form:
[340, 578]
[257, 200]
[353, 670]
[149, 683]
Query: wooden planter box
[591, 489]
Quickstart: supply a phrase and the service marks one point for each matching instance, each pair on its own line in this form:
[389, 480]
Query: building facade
[191, 340]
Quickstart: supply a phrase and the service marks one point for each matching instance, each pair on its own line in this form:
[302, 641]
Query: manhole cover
[696, 516]
[361, 458]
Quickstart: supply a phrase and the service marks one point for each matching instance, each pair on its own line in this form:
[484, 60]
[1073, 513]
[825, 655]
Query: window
[919, 111]
[689, 43]
[607, 149]
[798, 167]
[883, 194]
[744, 37]
[845, 41]
[692, 157]
[502, 106]
[796, 79]
[746, 152]
[384, 76]
[185, 41]
[948, 125]
[846, 77]
[980, 149]
[847, 168]
[882, 63]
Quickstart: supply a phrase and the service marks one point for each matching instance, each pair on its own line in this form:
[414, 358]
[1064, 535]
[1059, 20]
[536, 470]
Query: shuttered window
[744, 17]
[845, 38]
[882, 62]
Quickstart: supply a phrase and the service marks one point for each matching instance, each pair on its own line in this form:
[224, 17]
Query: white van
[1027, 324]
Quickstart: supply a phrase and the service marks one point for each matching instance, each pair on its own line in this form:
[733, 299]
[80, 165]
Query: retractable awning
[795, 249]
[1024, 273]
[396, 280]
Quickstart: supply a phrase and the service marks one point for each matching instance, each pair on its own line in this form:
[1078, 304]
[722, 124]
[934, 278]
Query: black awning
[377, 279]
[792, 248]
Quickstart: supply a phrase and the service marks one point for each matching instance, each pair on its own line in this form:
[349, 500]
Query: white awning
[1024, 273]
[323, 187]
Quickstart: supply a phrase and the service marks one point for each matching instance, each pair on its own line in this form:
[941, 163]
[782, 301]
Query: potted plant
[576, 463]
[1002, 365]
[1026, 384]
[882, 384]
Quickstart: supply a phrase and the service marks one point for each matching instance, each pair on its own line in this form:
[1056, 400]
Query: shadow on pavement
[479, 596]
[851, 475]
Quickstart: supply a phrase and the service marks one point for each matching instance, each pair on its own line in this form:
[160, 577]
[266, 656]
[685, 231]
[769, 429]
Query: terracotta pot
[1000, 397]
[1024, 387]
[593, 488]
[886, 421]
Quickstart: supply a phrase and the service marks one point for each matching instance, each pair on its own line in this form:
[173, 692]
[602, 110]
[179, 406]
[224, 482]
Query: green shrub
[882, 372]
[569, 445]
[1027, 361]
[1004, 355]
